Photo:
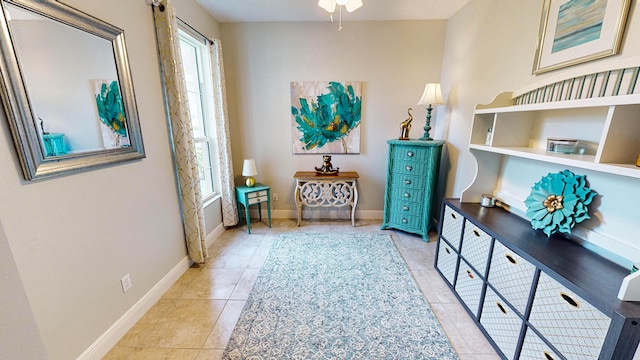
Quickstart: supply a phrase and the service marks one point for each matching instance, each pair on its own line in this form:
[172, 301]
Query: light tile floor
[195, 317]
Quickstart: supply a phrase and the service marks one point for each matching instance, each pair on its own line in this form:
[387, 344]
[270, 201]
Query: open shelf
[607, 128]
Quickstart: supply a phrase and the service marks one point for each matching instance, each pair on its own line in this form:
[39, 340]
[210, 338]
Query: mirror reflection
[67, 89]
[72, 83]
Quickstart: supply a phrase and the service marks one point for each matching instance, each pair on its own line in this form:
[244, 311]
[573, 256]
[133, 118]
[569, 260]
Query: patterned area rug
[336, 296]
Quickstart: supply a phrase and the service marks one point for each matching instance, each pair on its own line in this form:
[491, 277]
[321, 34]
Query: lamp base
[250, 182]
[427, 125]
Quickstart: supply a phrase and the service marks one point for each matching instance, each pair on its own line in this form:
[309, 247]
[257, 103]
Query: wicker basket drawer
[409, 181]
[469, 287]
[446, 261]
[475, 247]
[406, 194]
[501, 323]
[511, 276]
[534, 348]
[409, 167]
[411, 153]
[575, 327]
[452, 227]
[403, 220]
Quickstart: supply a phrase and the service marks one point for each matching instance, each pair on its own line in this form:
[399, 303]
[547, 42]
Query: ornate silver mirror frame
[25, 123]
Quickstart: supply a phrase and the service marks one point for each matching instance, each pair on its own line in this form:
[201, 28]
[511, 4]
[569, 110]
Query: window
[197, 71]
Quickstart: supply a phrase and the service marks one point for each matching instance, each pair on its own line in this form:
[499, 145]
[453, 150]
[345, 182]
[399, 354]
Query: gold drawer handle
[407, 182]
[548, 356]
[476, 233]
[501, 307]
[409, 168]
[511, 259]
[570, 300]
[407, 195]
[404, 221]
[410, 154]
[470, 274]
[405, 208]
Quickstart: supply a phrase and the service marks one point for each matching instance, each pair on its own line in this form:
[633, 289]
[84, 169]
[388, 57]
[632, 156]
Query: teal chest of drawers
[412, 175]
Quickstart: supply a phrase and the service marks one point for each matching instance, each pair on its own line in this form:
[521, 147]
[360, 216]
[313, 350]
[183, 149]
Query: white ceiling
[308, 10]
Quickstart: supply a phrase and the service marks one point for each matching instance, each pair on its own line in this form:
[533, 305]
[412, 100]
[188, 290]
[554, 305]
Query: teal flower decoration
[558, 202]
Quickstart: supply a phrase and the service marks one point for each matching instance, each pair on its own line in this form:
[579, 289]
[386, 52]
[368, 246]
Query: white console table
[326, 190]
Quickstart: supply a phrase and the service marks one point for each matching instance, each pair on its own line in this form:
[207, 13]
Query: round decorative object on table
[558, 202]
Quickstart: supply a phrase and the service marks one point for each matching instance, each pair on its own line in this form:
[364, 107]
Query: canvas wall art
[577, 31]
[111, 114]
[326, 117]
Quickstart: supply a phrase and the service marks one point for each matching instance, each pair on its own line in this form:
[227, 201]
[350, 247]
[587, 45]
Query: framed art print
[578, 31]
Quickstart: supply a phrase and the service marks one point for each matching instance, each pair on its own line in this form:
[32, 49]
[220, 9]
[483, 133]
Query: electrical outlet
[126, 283]
[275, 196]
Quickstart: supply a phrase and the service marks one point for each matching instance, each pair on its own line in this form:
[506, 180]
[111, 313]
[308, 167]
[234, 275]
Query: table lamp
[249, 170]
[432, 95]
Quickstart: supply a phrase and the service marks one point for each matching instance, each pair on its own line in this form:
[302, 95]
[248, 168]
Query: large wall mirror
[66, 88]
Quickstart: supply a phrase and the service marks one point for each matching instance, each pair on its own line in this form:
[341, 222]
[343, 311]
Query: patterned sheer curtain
[229, 206]
[177, 108]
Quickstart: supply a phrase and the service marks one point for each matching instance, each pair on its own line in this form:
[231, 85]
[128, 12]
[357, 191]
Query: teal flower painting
[558, 202]
[111, 113]
[326, 117]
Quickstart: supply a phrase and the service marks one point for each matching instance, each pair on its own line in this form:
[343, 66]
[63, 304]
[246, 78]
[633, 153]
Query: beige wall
[393, 59]
[73, 237]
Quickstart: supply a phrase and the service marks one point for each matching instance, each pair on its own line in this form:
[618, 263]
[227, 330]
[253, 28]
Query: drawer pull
[453, 216]
[407, 182]
[548, 356]
[476, 233]
[470, 274]
[447, 250]
[405, 208]
[404, 221]
[570, 300]
[410, 154]
[409, 168]
[501, 307]
[511, 259]
[407, 195]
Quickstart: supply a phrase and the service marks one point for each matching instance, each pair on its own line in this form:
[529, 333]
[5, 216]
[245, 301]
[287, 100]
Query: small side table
[326, 190]
[248, 196]
[54, 144]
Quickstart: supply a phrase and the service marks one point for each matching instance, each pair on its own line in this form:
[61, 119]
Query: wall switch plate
[126, 283]
[275, 196]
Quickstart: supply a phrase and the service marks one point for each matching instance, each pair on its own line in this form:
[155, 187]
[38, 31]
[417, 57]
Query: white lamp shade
[249, 168]
[352, 5]
[432, 95]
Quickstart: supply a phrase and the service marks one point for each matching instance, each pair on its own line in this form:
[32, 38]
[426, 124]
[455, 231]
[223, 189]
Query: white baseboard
[212, 236]
[320, 213]
[110, 338]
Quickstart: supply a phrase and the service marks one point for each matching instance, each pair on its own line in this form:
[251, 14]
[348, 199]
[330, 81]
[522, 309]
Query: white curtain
[229, 206]
[177, 109]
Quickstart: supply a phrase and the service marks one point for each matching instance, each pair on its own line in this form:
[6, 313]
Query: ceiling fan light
[351, 5]
[328, 5]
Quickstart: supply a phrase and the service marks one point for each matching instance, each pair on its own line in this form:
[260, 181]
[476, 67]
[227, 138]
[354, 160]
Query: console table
[326, 190]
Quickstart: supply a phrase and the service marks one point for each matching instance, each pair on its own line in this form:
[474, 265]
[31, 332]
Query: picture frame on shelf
[575, 32]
